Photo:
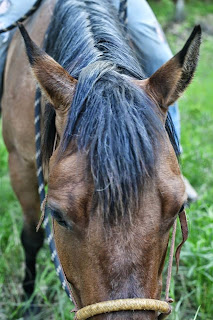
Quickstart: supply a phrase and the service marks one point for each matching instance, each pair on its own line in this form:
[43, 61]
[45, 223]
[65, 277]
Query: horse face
[125, 260]
[115, 260]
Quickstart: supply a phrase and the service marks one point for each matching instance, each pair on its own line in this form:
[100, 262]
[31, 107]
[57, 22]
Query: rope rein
[23, 18]
[43, 198]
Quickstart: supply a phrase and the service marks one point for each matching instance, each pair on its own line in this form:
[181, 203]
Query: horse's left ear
[167, 84]
[53, 79]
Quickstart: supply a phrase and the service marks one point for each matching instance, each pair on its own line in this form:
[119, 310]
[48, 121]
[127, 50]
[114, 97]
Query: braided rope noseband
[123, 305]
[142, 304]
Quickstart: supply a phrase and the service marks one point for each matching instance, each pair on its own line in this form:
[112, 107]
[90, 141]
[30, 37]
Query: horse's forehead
[71, 176]
[68, 170]
[69, 182]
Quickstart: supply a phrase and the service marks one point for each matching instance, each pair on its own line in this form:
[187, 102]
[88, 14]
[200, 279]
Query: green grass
[197, 137]
[194, 10]
[54, 302]
[192, 288]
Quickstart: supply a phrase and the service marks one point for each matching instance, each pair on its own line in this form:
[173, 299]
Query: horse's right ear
[167, 84]
[53, 79]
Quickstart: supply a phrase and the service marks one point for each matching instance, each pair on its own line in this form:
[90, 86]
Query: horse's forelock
[115, 123]
[112, 119]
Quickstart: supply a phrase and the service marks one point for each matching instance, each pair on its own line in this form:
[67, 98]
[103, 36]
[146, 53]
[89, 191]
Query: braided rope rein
[40, 177]
[45, 218]
[39, 172]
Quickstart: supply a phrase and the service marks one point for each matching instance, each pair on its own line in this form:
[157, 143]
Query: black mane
[110, 118]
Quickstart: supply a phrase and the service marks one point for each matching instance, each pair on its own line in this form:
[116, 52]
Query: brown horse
[114, 183]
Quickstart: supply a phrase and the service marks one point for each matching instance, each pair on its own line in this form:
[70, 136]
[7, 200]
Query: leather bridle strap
[171, 255]
[185, 233]
[184, 229]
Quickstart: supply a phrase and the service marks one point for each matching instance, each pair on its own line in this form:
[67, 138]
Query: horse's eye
[182, 208]
[58, 216]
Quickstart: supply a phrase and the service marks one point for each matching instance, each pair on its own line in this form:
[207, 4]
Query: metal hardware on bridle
[23, 18]
[106, 306]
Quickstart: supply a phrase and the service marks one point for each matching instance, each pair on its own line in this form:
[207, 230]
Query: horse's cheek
[64, 245]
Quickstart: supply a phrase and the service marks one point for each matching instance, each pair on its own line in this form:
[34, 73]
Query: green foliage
[3, 156]
[163, 9]
[195, 282]
[194, 9]
[192, 288]
[49, 295]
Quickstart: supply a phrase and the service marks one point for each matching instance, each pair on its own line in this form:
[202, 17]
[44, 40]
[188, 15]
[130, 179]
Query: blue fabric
[144, 29]
[150, 43]
[10, 11]
[13, 11]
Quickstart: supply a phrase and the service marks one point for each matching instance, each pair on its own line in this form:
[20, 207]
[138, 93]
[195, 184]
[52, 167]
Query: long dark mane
[110, 118]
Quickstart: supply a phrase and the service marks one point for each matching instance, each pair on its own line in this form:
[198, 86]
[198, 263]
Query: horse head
[114, 189]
